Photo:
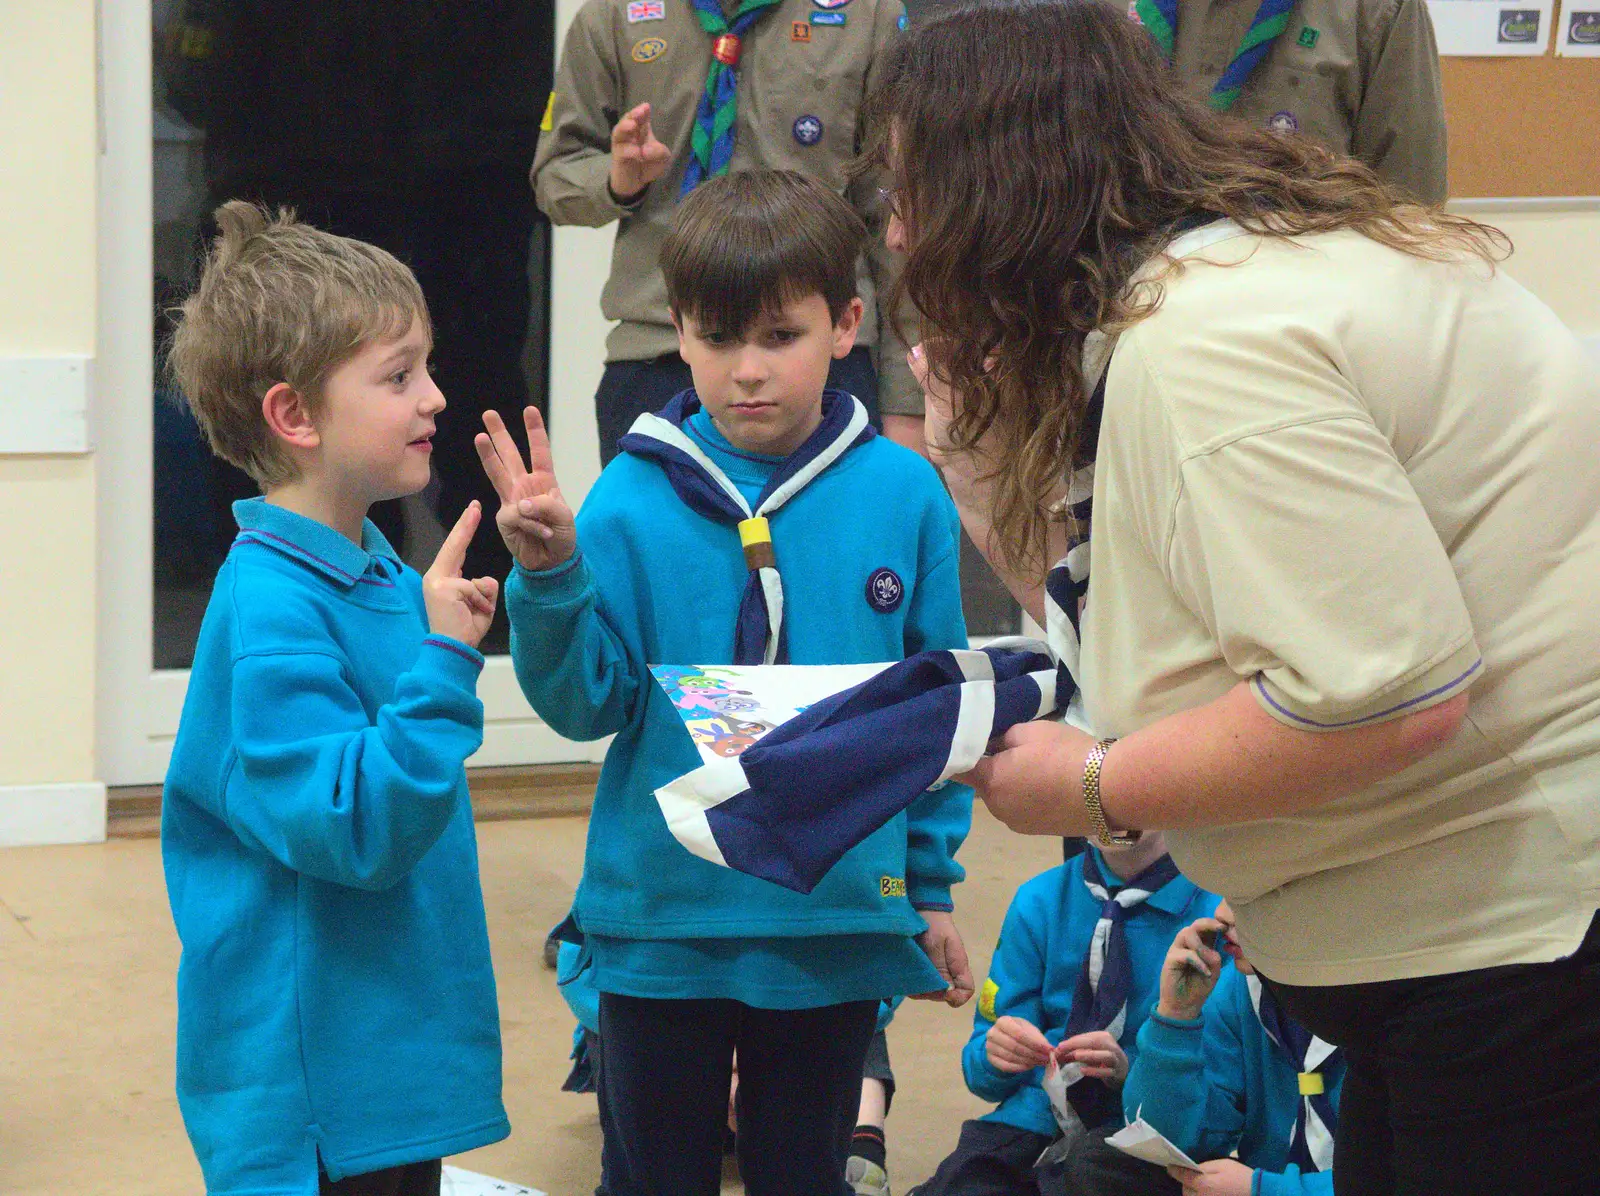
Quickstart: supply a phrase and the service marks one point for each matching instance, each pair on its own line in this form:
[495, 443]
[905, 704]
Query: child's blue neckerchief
[758, 636]
[1100, 1001]
[1311, 1146]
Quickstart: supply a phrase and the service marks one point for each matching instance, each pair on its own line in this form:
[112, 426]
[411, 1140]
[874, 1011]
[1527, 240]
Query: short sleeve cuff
[1429, 686]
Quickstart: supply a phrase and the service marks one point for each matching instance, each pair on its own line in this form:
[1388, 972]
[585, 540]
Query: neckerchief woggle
[758, 636]
[1160, 19]
[711, 145]
[1317, 1121]
[1100, 1001]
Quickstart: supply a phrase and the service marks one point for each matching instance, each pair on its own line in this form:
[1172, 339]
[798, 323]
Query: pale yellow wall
[1557, 258]
[48, 149]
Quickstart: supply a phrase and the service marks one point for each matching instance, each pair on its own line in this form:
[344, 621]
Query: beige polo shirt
[804, 76]
[1359, 76]
[1364, 482]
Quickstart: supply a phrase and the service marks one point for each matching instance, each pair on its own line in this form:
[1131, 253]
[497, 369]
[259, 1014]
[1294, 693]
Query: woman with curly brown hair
[1339, 469]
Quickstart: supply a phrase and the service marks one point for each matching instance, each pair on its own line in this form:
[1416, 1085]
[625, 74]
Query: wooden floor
[87, 958]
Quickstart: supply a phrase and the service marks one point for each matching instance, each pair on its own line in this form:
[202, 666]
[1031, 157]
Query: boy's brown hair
[745, 244]
[279, 301]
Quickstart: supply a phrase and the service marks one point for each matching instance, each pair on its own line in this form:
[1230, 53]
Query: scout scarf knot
[1100, 1001]
[758, 636]
[1311, 1147]
[712, 143]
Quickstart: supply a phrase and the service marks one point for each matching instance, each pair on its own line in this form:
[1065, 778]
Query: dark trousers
[414, 1179]
[629, 389]
[990, 1159]
[664, 1077]
[1092, 1168]
[1483, 1083]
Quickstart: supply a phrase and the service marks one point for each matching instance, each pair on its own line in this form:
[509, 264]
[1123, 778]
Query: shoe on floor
[866, 1178]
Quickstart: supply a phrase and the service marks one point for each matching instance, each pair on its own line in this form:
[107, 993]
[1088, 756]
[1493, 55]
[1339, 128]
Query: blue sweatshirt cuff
[565, 583]
[451, 660]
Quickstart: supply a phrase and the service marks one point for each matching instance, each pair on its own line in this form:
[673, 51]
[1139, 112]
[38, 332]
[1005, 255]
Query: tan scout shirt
[792, 70]
[1358, 76]
[1365, 482]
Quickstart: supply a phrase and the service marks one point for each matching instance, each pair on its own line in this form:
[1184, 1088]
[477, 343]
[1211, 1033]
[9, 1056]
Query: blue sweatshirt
[335, 994]
[1034, 975]
[656, 583]
[1218, 1084]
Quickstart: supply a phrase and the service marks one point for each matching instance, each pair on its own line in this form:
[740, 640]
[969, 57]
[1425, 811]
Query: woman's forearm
[1230, 761]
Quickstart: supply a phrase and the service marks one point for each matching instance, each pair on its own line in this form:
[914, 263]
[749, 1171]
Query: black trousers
[414, 1179]
[665, 1072]
[1483, 1083]
[629, 389]
[1092, 1168]
[990, 1159]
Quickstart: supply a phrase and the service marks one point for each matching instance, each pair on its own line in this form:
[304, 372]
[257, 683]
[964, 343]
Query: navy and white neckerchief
[758, 636]
[792, 805]
[1311, 1145]
[1100, 1001]
[1067, 583]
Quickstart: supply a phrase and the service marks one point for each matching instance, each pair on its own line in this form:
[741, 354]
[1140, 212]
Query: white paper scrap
[457, 1182]
[1144, 1141]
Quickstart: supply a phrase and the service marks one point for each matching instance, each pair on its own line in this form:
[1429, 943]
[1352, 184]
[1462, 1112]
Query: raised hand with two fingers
[534, 519]
[459, 607]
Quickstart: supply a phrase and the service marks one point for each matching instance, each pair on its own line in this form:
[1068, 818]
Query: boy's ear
[677, 325]
[288, 417]
[847, 327]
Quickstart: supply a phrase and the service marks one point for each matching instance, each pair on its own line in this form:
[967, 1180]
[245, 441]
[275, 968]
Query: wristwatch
[1103, 834]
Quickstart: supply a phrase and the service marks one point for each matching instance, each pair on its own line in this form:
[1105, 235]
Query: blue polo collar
[316, 544]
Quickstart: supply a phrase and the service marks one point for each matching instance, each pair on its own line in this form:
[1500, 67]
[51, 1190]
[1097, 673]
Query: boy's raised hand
[637, 158]
[457, 607]
[1191, 971]
[534, 520]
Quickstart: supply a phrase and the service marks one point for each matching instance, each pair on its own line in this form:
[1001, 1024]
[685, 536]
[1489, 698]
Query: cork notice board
[1523, 126]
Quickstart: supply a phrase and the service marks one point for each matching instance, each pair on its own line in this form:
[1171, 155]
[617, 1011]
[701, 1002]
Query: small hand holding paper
[534, 520]
[1014, 1045]
[941, 942]
[456, 606]
[1097, 1054]
[1220, 1177]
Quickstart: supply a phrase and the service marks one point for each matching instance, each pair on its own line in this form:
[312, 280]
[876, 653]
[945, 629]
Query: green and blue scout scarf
[1160, 18]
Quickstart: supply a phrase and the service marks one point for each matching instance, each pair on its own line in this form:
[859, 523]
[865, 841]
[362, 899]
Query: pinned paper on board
[1579, 33]
[1492, 28]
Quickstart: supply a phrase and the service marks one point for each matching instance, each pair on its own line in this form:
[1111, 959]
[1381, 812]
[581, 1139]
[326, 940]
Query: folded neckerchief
[758, 635]
[789, 806]
[1160, 19]
[1311, 1146]
[1100, 1001]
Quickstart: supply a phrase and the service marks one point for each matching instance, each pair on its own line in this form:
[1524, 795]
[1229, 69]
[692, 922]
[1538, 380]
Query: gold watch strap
[1103, 833]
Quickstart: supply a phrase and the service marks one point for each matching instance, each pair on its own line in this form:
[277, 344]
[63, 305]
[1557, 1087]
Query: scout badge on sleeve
[803, 762]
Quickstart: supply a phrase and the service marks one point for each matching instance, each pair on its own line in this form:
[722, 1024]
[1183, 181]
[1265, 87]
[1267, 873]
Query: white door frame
[137, 706]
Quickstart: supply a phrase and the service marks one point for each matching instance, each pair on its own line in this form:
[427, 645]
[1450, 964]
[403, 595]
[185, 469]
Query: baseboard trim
[36, 815]
[498, 795]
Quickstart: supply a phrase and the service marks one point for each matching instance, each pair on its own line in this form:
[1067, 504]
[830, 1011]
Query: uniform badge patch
[548, 122]
[799, 32]
[1283, 122]
[986, 999]
[648, 50]
[1309, 36]
[829, 18]
[830, 4]
[885, 591]
[808, 130]
[646, 10]
[903, 22]
[892, 886]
